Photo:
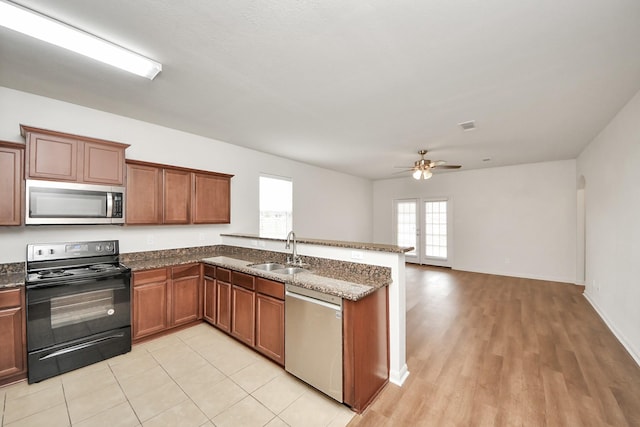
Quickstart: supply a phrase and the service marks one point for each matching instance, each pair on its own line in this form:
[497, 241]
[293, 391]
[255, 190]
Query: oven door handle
[82, 346]
[74, 283]
[43, 293]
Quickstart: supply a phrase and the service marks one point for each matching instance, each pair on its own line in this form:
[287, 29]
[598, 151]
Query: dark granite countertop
[347, 280]
[308, 279]
[11, 280]
[380, 247]
[151, 263]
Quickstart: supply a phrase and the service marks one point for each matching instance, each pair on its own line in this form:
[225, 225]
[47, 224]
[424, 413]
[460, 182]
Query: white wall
[327, 204]
[516, 220]
[611, 168]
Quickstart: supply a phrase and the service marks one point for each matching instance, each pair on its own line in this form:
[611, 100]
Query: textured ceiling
[355, 86]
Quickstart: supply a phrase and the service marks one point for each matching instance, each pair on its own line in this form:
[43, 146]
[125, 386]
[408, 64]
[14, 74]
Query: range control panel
[53, 251]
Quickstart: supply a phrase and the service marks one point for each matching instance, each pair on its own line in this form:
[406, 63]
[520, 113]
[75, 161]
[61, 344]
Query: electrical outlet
[151, 240]
[357, 255]
[201, 237]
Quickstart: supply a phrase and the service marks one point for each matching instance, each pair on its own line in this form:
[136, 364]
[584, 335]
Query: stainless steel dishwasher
[313, 339]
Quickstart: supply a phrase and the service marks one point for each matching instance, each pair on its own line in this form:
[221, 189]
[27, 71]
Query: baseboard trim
[399, 377]
[519, 275]
[621, 338]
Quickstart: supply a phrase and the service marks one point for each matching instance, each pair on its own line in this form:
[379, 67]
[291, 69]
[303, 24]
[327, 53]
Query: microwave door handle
[109, 204]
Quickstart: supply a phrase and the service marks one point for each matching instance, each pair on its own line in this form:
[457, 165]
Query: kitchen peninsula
[369, 254]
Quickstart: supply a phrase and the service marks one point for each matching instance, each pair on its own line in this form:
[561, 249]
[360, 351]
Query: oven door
[75, 308]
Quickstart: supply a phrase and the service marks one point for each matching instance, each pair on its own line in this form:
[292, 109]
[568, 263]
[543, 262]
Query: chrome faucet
[294, 259]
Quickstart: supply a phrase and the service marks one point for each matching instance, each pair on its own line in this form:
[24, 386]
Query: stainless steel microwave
[53, 202]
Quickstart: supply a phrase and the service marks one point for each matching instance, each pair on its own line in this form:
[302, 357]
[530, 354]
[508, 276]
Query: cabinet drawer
[149, 276]
[10, 298]
[269, 287]
[210, 271]
[223, 274]
[244, 280]
[185, 271]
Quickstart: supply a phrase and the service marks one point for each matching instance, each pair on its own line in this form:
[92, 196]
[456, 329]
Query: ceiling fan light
[426, 174]
[417, 174]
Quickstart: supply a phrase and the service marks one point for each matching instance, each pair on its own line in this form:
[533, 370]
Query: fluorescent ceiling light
[55, 32]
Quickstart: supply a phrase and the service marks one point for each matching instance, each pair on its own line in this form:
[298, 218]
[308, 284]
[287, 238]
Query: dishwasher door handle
[313, 301]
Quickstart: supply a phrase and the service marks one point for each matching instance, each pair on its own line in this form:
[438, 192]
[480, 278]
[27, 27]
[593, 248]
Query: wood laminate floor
[487, 350]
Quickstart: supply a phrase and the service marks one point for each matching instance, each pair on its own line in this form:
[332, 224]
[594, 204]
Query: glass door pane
[406, 227]
[436, 232]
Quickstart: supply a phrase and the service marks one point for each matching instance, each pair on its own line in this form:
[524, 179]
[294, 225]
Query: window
[276, 206]
[435, 229]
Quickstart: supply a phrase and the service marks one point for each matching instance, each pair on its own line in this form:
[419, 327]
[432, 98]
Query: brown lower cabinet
[243, 307]
[270, 319]
[164, 298]
[13, 364]
[249, 308]
[365, 348]
[209, 298]
[223, 299]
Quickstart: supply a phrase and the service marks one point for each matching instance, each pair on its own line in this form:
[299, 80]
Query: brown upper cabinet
[144, 198]
[60, 156]
[211, 199]
[176, 194]
[11, 161]
[164, 194]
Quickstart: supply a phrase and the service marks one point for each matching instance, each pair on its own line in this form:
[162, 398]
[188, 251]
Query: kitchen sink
[289, 270]
[268, 266]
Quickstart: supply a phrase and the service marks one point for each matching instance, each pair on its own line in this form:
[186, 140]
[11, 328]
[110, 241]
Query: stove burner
[49, 274]
[102, 267]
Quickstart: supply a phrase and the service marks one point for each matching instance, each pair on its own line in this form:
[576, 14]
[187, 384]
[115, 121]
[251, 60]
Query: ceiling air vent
[466, 126]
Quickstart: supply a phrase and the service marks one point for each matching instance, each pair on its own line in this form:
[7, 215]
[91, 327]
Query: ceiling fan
[422, 168]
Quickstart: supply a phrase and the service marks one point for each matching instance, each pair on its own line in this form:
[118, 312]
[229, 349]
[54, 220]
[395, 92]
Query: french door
[425, 224]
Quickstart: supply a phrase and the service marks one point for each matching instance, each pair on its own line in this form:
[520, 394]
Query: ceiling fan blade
[403, 167]
[403, 171]
[447, 167]
[437, 163]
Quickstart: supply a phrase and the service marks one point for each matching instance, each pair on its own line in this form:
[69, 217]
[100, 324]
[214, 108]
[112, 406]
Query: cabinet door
[270, 327]
[103, 163]
[243, 314]
[176, 197]
[366, 348]
[12, 333]
[10, 185]
[211, 199]
[52, 157]
[223, 305]
[185, 299]
[149, 309]
[210, 300]
[143, 194]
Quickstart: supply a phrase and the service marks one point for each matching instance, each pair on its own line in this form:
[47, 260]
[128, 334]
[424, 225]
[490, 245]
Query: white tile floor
[194, 377]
